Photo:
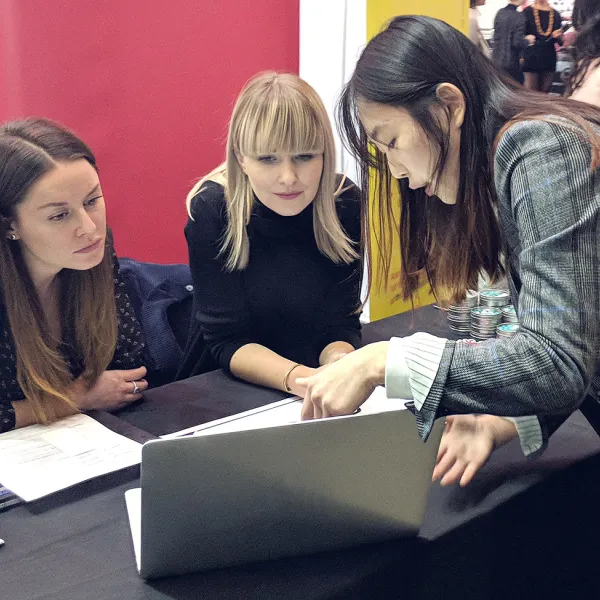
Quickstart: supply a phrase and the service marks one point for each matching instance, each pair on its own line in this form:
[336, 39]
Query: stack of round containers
[506, 330]
[486, 318]
[509, 314]
[510, 322]
[484, 315]
[494, 298]
[459, 315]
[484, 321]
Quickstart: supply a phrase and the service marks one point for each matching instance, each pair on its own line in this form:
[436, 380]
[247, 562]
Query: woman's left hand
[341, 387]
[466, 445]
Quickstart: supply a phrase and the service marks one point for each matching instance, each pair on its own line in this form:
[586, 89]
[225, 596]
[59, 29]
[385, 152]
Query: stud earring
[13, 237]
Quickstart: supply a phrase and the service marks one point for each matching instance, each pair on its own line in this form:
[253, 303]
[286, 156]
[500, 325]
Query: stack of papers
[42, 459]
[284, 412]
[7, 498]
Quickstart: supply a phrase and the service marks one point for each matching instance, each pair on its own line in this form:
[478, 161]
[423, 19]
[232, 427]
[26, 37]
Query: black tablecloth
[522, 529]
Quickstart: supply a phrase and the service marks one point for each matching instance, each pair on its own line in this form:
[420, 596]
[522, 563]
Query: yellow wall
[455, 12]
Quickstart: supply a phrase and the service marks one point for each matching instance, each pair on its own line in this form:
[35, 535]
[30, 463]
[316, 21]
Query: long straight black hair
[402, 67]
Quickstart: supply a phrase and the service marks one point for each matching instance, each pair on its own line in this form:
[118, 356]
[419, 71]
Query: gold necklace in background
[538, 24]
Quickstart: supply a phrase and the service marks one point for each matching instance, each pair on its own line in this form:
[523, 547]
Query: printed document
[42, 459]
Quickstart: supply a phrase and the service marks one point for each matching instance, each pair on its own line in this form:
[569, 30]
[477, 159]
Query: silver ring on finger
[136, 389]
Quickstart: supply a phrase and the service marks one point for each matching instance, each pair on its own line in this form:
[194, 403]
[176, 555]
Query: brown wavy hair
[28, 149]
[450, 245]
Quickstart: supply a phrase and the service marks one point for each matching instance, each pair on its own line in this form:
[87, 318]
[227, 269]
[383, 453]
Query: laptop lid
[243, 496]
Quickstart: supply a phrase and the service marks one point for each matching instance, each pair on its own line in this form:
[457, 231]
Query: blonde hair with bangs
[277, 112]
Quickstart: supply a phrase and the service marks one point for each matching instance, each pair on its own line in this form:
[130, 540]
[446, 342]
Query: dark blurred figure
[509, 39]
[475, 34]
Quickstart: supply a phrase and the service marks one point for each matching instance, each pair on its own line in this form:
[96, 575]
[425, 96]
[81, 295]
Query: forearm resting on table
[335, 351]
[257, 364]
[53, 407]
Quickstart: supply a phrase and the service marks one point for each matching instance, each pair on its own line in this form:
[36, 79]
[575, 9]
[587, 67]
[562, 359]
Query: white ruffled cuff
[412, 365]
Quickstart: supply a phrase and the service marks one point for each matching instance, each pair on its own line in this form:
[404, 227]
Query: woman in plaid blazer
[493, 179]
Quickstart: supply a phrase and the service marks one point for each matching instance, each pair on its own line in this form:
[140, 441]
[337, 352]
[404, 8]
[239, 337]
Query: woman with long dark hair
[493, 179]
[470, 439]
[68, 339]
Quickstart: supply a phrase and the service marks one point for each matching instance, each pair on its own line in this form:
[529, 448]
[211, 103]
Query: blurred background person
[509, 40]
[475, 34]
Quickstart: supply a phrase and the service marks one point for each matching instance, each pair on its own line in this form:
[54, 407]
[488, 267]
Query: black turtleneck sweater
[290, 298]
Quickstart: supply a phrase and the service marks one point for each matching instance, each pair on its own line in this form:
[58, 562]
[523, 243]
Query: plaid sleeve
[550, 197]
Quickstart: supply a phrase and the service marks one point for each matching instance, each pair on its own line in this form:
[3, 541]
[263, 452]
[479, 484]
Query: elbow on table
[220, 356]
[215, 354]
[225, 352]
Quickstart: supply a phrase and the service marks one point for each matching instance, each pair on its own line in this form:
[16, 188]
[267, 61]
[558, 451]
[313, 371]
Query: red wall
[149, 86]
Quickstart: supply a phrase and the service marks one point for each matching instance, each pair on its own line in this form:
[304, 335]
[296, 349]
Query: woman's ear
[10, 229]
[453, 99]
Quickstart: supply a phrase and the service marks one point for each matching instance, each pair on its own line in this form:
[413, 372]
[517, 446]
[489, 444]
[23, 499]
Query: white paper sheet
[281, 413]
[133, 501]
[42, 459]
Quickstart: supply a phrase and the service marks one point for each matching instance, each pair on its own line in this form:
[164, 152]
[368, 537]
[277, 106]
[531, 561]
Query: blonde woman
[273, 237]
[68, 339]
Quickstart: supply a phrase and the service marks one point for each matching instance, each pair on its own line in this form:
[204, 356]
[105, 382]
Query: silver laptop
[242, 496]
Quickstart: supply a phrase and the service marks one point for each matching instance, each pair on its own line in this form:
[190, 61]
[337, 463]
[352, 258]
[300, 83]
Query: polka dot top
[129, 352]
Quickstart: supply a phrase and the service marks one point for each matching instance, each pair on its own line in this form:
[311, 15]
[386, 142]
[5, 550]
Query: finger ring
[136, 389]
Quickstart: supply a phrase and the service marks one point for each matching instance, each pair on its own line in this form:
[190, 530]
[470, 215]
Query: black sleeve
[557, 20]
[518, 34]
[7, 416]
[497, 20]
[9, 388]
[220, 302]
[130, 350]
[529, 22]
[343, 299]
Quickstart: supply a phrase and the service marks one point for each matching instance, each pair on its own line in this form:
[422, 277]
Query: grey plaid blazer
[549, 207]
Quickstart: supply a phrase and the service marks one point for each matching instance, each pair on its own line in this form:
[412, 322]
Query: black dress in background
[541, 57]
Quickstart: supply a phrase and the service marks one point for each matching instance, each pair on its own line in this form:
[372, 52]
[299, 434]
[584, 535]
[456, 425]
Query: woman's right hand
[299, 373]
[113, 390]
[530, 39]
